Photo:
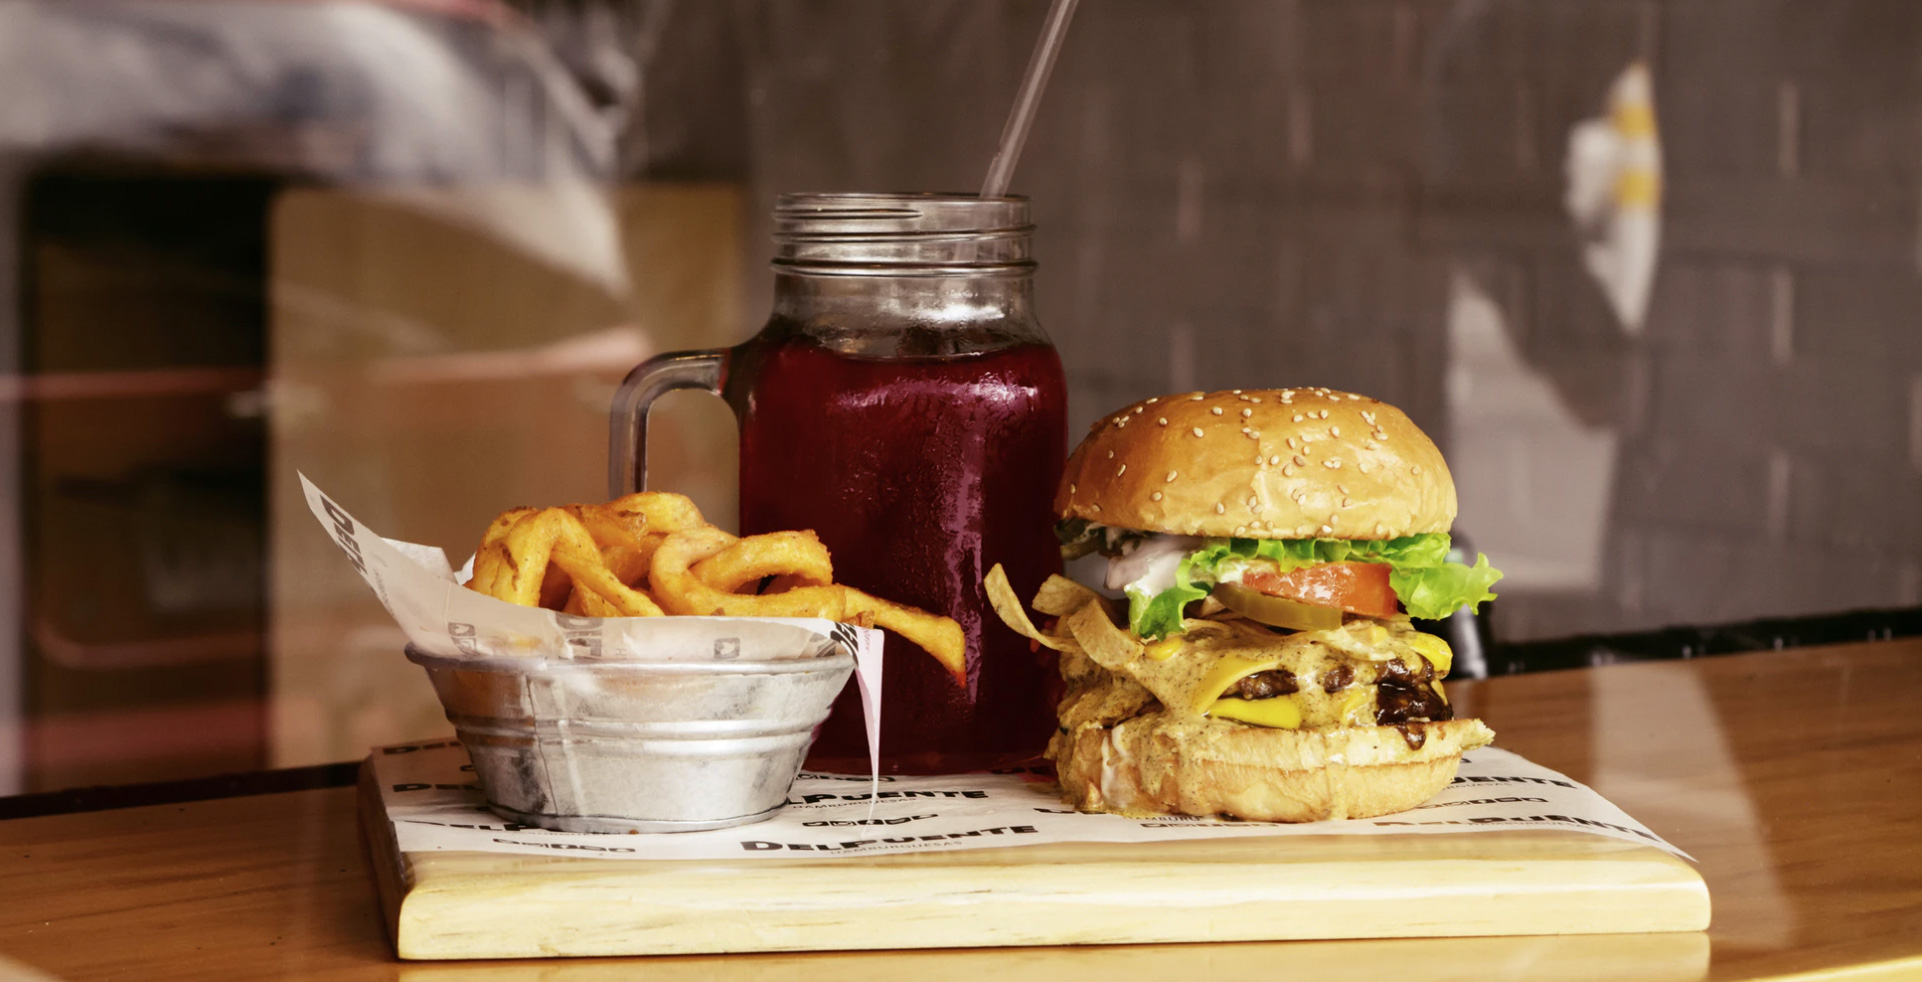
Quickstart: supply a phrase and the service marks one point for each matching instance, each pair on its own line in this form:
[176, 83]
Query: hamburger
[1269, 548]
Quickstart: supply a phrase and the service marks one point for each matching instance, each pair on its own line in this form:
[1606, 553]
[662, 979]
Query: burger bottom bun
[1158, 764]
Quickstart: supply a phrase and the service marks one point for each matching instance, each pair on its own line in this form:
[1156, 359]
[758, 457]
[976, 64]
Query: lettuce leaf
[1429, 584]
[1158, 616]
[1434, 592]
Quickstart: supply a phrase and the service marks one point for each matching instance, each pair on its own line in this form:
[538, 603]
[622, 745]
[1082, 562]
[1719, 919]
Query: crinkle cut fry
[681, 591]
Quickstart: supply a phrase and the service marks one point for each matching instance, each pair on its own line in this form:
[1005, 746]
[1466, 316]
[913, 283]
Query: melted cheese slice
[1224, 673]
[1281, 712]
[1191, 673]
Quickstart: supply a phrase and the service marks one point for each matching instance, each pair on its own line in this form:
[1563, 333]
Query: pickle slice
[1277, 611]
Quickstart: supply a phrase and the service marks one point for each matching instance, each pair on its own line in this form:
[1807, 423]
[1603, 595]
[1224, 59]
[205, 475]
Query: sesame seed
[1110, 455]
[1199, 396]
[1418, 468]
[1240, 529]
[1220, 508]
[1333, 518]
[1335, 431]
[1245, 413]
[1254, 398]
[1235, 391]
[1155, 497]
[1276, 459]
[1324, 414]
[1171, 477]
[1123, 470]
[1197, 431]
[1153, 399]
[1254, 501]
[1363, 466]
[1070, 489]
[1095, 507]
[1300, 461]
[1325, 529]
[1381, 529]
[1331, 463]
[1163, 420]
[1291, 443]
[1297, 417]
[1141, 409]
[1343, 488]
[1216, 410]
[1288, 470]
[1368, 416]
[1345, 502]
[1379, 435]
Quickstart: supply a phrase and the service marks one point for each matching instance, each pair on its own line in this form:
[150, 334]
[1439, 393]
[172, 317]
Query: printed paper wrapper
[418, 587]
[434, 806]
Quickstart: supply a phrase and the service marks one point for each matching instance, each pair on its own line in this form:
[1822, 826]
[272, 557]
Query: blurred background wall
[408, 248]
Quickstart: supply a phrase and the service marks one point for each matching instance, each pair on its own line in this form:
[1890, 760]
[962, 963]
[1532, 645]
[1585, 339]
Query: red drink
[919, 473]
[904, 403]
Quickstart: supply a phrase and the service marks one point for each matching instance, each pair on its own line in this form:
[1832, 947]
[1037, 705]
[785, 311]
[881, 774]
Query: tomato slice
[1359, 588]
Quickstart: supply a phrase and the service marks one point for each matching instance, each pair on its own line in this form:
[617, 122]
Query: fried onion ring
[628, 529]
[513, 566]
[681, 591]
[797, 557]
[606, 560]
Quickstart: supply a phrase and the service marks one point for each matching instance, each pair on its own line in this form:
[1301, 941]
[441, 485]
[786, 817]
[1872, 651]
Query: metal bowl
[620, 746]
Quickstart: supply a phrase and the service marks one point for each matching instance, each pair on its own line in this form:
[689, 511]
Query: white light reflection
[1638, 728]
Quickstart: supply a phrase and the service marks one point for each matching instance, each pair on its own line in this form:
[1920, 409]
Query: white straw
[1040, 66]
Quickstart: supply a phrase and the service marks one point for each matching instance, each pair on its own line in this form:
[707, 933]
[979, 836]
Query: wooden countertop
[1794, 777]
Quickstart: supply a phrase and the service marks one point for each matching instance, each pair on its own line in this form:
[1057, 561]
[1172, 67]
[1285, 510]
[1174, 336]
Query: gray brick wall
[1292, 191]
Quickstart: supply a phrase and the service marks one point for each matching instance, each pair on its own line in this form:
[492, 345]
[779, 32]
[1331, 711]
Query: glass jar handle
[627, 422]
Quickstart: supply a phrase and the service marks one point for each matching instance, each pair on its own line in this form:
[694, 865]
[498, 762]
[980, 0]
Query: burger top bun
[1262, 464]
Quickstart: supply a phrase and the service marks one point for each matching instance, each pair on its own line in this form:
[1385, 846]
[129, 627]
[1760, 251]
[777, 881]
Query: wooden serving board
[443, 905]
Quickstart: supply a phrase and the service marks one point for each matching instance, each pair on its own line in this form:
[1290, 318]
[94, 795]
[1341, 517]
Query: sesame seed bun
[1262, 464]
[1156, 763]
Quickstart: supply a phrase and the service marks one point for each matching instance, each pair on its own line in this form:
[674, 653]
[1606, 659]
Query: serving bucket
[642, 746]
